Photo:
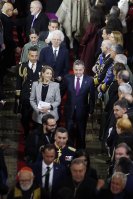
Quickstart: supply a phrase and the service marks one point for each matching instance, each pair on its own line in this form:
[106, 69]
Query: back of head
[117, 48]
[124, 124]
[121, 58]
[125, 88]
[115, 11]
[124, 76]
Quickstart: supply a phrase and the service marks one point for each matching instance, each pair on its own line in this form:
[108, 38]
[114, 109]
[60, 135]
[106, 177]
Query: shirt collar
[55, 48]
[30, 64]
[79, 77]
[44, 165]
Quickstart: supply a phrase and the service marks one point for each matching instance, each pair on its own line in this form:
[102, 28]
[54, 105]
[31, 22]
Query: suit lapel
[39, 91]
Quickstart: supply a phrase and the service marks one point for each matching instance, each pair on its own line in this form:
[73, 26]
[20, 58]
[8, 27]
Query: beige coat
[74, 16]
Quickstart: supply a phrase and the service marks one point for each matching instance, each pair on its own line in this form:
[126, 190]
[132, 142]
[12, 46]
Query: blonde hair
[118, 37]
[43, 71]
[124, 124]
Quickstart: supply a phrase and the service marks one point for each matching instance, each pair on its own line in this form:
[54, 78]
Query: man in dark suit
[37, 19]
[79, 103]
[28, 72]
[48, 174]
[78, 185]
[56, 56]
[45, 35]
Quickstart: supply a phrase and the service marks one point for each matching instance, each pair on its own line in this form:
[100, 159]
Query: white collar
[55, 48]
[44, 165]
[30, 64]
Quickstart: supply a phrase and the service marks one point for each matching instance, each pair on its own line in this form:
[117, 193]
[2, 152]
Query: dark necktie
[47, 179]
[33, 21]
[77, 85]
[55, 55]
[32, 67]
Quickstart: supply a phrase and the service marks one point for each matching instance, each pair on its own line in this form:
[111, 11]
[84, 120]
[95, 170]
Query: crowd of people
[99, 34]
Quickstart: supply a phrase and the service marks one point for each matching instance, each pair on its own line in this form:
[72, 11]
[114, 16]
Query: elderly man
[78, 184]
[25, 187]
[37, 19]
[56, 56]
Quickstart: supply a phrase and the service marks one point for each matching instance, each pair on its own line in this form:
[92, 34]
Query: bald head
[7, 9]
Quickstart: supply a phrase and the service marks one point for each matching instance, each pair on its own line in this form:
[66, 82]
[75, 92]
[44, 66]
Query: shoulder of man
[71, 148]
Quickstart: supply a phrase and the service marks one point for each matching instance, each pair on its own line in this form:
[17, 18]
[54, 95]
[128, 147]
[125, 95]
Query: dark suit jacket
[81, 102]
[25, 84]
[86, 189]
[58, 175]
[8, 24]
[40, 23]
[61, 65]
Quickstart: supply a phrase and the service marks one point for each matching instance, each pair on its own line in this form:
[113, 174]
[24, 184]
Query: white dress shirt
[57, 50]
[32, 66]
[44, 171]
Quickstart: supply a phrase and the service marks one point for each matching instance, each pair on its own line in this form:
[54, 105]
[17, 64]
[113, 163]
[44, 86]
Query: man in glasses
[40, 137]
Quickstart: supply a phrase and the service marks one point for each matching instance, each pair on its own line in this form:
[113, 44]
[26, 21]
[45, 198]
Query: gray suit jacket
[53, 97]
[24, 54]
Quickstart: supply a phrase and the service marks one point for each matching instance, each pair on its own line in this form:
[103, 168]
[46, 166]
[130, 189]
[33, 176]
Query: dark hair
[124, 76]
[114, 23]
[97, 16]
[115, 11]
[122, 103]
[33, 48]
[108, 31]
[125, 165]
[54, 21]
[61, 130]
[33, 31]
[48, 147]
[46, 117]
[84, 153]
[128, 149]
[118, 67]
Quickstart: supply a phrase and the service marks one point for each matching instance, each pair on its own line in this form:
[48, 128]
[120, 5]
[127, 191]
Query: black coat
[40, 23]
[86, 189]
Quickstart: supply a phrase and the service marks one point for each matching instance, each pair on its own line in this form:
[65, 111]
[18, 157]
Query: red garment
[89, 41]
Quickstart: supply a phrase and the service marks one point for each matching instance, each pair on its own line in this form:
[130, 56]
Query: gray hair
[37, 3]
[121, 176]
[120, 58]
[125, 88]
[117, 48]
[57, 33]
[78, 161]
[107, 43]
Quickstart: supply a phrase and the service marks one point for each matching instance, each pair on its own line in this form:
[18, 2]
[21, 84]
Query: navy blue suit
[60, 65]
[78, 106]
[59, 174]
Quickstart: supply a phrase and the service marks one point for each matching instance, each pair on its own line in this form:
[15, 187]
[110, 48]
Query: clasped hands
[45, 109]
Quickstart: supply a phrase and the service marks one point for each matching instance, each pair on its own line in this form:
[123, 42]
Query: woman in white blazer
[45, 95]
